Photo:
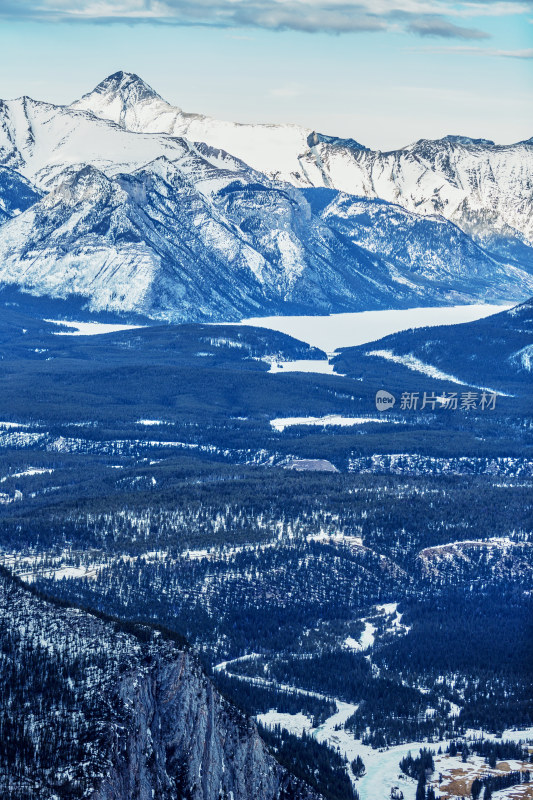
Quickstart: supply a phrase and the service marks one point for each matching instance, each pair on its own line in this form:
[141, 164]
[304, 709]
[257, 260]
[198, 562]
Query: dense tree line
[253, 699]
[495, 783]
[315, 763]
[422, 764]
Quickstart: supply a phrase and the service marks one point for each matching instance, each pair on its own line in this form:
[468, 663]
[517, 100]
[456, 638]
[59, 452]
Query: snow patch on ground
[414, 364]
[28, 472]
[330, 419]
[321, 367]
[296, 724]
[366, 640]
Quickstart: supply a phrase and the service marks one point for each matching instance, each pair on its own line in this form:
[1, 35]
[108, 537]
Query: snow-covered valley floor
[382, 770]
[89, 328]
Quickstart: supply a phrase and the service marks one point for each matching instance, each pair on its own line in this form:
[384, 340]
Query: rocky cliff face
[183, 740]
[93, 709]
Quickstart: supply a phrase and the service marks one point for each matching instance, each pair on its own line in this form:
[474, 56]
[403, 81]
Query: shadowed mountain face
[16, 194]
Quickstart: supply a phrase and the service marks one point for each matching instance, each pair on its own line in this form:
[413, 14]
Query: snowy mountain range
[107, 201]
[152, 242]
[483, 187]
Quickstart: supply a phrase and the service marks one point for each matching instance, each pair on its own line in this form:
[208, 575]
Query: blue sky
[385, 72]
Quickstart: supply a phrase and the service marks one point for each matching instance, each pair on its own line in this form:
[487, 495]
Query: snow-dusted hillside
[483, 187]
[16, 194]
[188, 239]
[91, 709]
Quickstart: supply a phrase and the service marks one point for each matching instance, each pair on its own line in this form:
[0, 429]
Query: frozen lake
[348, 330]
[90, 328]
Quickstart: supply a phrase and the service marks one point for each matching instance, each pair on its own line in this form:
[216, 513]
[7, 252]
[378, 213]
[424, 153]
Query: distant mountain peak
[316, 138]
[451, 141]
[467, 140]
[125, 87]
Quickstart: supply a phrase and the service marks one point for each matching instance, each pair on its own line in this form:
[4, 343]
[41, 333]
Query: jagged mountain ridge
[127, 100]
[46, 143]
[482, 187]
[194, 233]
[152, 243]
[97, 709]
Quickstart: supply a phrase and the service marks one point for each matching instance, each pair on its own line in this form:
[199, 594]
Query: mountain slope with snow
[426, 247]
[92, 708]
[46, 143]
[16, 194]
[187, 240]
[128, 101]
[482, 187]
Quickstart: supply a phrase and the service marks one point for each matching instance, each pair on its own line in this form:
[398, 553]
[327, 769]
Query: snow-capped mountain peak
[117, 96]
[271, 149]
[476, 184]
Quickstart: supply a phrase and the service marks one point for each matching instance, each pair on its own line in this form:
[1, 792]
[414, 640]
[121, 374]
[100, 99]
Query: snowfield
[366, 640]
[303, 365]
[416, 365]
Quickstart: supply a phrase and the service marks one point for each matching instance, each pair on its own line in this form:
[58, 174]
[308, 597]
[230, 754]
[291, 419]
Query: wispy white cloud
[441, 27]
[489, 52]
[420, 17]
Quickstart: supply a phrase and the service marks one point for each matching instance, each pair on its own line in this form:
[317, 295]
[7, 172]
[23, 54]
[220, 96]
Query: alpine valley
[228, 571]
